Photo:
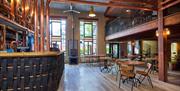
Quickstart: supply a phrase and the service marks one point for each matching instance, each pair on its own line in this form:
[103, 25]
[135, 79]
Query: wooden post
[23, 11]
[36, 43]
[123, 49]
[24, 38]
[133, 47]
[12, 9]
[162, 46]
[42, 26]
[4, 39]
[47, 27]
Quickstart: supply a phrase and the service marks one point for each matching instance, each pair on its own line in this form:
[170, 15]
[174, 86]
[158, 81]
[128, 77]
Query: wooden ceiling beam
[166, 1]
[109, 9]
[170, 4]
[105, 4]
[137, 2]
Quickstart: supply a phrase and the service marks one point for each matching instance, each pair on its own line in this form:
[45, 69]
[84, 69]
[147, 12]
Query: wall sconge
[165, 32]
[157, 33]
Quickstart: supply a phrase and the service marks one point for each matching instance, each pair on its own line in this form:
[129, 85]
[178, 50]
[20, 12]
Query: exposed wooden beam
[105, 4]
[162, 46]
[110, 17]
[36, 30]
[42, 25]
[171, 4]
[109, 9]
[137, 2]
[23, 11]
[24, 38]
[47, 27]
[166, 1]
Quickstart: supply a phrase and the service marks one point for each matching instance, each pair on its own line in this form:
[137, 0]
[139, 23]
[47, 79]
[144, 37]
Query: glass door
[114, 50]
[88, 48]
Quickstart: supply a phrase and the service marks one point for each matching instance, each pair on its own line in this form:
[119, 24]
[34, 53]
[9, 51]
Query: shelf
[12, 24]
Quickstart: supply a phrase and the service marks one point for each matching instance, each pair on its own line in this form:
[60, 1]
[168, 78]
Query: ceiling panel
[58, 5]
[87, 8]
[79, 7]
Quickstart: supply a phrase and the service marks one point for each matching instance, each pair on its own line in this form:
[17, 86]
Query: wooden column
[12, 9]
[4, 39]
[123, 49]
[47, 27]
[36, 31]
[42, 26]
[24, 38]
[133, 47]
[162, 46]
[23, 10]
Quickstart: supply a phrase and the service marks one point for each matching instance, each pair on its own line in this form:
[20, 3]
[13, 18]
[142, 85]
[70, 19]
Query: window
[58, 33]
[88, 30]
[88, 35]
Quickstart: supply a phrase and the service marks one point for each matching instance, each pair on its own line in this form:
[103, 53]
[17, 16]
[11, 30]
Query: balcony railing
[122, 24]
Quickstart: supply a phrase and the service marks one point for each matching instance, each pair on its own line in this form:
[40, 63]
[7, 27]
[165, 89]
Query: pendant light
[91, 12]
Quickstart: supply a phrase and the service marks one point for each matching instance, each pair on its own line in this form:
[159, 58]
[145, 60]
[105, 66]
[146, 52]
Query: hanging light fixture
[91, 12]
[165, 32]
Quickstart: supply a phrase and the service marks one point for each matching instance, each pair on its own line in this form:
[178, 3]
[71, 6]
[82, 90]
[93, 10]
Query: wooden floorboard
[85, 78]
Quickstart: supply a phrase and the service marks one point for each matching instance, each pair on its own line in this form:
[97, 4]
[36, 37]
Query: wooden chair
[145, 73]
[127, 72]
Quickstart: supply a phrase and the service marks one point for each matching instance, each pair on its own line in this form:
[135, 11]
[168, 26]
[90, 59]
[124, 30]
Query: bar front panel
[39, 73]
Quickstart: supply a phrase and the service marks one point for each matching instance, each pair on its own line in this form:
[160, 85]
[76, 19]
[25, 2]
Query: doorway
[114, 50]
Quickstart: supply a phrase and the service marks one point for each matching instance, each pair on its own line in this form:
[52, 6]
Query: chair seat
[141, 73]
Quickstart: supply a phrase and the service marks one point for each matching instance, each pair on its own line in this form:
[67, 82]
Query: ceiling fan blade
[67, 11]
[71, 10]
[76, 11]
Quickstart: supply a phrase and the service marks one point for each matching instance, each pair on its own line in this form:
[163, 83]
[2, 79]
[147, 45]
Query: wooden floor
[85, 78]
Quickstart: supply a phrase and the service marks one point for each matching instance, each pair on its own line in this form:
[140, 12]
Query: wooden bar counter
[31, 71]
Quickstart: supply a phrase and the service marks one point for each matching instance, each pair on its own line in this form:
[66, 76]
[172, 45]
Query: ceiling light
[128, 10]
[166, 32]
[91, 12]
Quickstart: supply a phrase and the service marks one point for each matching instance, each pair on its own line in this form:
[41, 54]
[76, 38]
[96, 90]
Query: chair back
[149, 66]
[126, 68]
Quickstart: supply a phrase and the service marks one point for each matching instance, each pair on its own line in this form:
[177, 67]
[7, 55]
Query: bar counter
[31, 71]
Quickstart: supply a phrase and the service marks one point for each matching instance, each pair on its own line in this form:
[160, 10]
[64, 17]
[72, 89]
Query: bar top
[29, 54]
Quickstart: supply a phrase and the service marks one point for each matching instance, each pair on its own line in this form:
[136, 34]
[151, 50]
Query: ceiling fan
[71, 10]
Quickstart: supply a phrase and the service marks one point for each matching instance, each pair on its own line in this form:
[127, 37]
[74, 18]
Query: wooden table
[131, 63]
[105, 65]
